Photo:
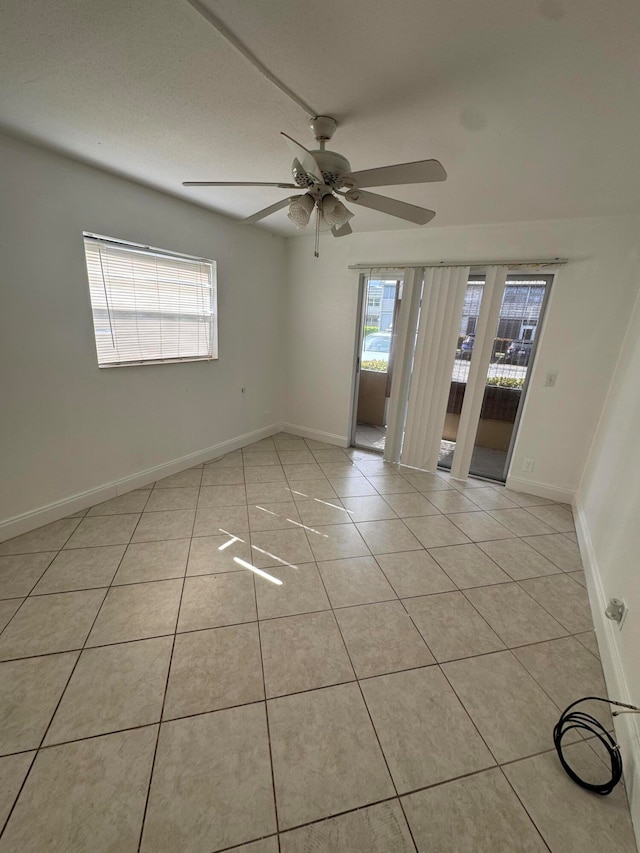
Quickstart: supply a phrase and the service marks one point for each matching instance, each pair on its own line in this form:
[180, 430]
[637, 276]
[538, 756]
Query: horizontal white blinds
[150, 307]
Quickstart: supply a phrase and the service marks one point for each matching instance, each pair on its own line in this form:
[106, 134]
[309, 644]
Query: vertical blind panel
[149, 307]
[404, 329]
[442, 301]
[483, 348]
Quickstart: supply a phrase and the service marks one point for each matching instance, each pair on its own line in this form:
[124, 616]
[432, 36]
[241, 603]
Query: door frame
[355, 378]
[391, 274]
[550, 279]
[477, 379]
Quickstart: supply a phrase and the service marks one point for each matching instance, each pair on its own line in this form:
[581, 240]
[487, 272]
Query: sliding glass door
[513, 351]
[380, 302]
[461, 346]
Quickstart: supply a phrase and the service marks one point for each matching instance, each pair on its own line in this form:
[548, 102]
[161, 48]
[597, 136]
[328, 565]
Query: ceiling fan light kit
[326, 176]
[334, 213]
[300, 210]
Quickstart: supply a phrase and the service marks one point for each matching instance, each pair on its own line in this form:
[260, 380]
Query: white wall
[609, 527]
[589, 310]
[67, 427]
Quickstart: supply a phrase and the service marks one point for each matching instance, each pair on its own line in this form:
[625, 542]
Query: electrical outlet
[528, 465]
[550, 381]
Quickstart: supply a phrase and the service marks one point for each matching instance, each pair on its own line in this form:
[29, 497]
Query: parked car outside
[518, 352]
[466, 347]
[376, 347]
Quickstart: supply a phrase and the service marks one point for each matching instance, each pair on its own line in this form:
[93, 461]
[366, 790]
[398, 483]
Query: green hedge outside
[375, 364]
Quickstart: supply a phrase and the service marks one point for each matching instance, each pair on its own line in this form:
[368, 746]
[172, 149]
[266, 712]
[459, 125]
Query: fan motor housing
[332, 165]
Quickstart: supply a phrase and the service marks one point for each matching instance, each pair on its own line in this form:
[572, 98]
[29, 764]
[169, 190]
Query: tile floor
[387, 682]
[485, 461]
[369, 436]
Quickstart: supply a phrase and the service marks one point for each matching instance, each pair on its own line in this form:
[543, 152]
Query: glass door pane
[381, 302]
[466, 340]
[513, 352]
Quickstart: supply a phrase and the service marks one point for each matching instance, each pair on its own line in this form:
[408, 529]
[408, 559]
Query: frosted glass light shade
[334, 213]
[300, 210]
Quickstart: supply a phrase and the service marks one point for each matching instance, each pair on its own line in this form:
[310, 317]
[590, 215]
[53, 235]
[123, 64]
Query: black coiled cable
[580, 720]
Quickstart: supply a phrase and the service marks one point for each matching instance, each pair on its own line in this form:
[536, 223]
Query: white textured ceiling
[532, 107]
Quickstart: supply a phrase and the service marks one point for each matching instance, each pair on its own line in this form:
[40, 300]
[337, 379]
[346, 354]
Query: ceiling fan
[326, 177]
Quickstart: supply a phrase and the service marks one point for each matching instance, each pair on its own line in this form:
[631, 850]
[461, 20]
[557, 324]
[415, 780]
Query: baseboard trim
[541, 490]
[83, 500]
[316, 434]
[627, 726]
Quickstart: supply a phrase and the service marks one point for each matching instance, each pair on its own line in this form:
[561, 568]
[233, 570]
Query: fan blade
[342, 231]
[306, 159]
[420, 172]
[267, 211]
[410, 212]
[237, 184]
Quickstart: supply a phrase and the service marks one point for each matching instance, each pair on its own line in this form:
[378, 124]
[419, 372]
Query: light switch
[550, 381]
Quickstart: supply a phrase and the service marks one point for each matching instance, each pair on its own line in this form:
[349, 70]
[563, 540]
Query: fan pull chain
[316, 252]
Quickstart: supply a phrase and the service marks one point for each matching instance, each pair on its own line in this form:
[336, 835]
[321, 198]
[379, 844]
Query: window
[150, 306]
[389, 291]
[508, 328]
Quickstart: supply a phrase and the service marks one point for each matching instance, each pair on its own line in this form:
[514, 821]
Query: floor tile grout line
[546, 609]
[469, 775]
[19, 554]
[511, 761]
[541, 536]
[266, 716]
[506, 571]
[526, 810]
[34, 594]
[4, 824]
[471, 720]
[475, 541]
[531, 675]
[97, 735]
[207, 712]
[257, 620]
[84, 645]
[479, 546]
[548, 532]
[413, 622]
[495, 630]
[406, 794]
[164, 698]
[511, 652]
[399, 598]
[578, 635]
[244, 844]
[484, 619]
[292, 616]
[58, 703]
[396, 798]
[151, 487]
[551, 751]
[375, 731]
[21, 605]
[422, 548]
[59, 551]
[458, 589]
